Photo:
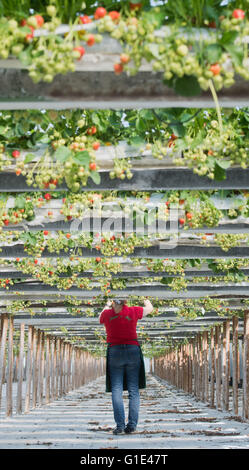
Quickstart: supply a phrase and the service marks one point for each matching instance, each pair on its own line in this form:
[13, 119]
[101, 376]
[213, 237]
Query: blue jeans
[125, 359]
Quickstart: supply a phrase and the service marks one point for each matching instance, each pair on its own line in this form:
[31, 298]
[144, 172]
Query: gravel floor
[83, 419]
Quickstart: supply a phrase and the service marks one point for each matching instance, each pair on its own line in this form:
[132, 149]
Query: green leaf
[29, 157]
[219, 172]
[3, 130]
[147, 114]
[20, 202]
[166, 280]
[187, 86]
[83, 158]
[228, 38]
[154, 50]
[236, 53]
[25, 57]
[213, 53]
[95, 175]
[44, 139]
[155, 17]
[223, 163]
[62, 153]
[178, 129]
[137, 141]
[198, 140]
[140, 125]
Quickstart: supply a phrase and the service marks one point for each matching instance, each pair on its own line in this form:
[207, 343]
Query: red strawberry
[96, 145]
[215, 69]
[118, 68]
[133, 6]
[15, 153]
[124, 58]
[239, 14]
[115, 15]
[91, 40]
[92, 166]
[81, 51]
[39, 20]
[100, 13]
[85, 19]
[92, 130]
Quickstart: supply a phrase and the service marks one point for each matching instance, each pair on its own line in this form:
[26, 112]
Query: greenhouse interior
[124, 174]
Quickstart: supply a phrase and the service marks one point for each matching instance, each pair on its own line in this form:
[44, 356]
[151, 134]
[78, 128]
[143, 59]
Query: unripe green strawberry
[31, 21]
[12, 25]
[81, 123]
[51, 10]
[17, 49]
[182, 50]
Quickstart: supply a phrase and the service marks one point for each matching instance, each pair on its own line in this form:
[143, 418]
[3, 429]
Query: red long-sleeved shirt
[121, 327]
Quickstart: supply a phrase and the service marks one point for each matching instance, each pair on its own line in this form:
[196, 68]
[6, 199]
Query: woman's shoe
[129, 429]
[118, 430]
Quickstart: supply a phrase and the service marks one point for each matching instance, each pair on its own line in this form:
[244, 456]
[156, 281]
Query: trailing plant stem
[217, 105]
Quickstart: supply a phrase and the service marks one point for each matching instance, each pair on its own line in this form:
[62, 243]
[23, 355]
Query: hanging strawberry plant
[51, 148]
[189, 45]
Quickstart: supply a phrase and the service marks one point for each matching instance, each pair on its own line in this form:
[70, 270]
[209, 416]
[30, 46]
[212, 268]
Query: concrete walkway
[83, 419]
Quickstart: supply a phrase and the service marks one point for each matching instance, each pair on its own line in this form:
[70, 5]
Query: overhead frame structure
[95, 86]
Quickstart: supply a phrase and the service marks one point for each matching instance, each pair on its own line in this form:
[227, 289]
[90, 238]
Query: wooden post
[56, 342]
[9, 400]
[47, 370]
[195, 364]
[73, 367]
[180, 367]
[36, 366]
[235, 364]
[226, 364]
[212, 360]
[61, 368]
[63, 371]
[199, 366]
[4, 331]
[53, 365]
[205, 366]
[42, 362]
[69, 367]
[190, 368]
[218, 365]
[177, 368]
[246, 367]
[29, 368]
[20, 371]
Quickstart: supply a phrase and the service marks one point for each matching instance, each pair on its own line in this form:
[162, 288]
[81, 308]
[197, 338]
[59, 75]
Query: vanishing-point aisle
[83, 419]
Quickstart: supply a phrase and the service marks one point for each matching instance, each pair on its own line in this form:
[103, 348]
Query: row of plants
[196, 209]
[70, 142]
[189, 308]
[87, 274]
[189, 59]
[107, 245]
